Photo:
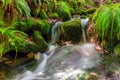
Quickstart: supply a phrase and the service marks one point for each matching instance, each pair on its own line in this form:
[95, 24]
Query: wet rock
[30, 55]
[71, 31]
[91, 76]
[2, 75]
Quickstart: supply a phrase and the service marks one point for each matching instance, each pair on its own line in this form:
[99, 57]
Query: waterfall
[54, 32]
[84, 22]
[61, 63]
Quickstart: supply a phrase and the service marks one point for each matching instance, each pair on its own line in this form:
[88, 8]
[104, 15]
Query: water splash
[55, 34]
[67, 62]
[84, 23]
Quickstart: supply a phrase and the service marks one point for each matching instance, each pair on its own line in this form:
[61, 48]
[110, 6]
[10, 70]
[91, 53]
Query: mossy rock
[66, 15]
[71, 30]
[24, 25]
[82, 12]
[54, 16]
[43, 26]
[63, 9]
[43, 14]
[91, 10]
[117, 49]
[42, 44]
[72, 11]
[15, 40]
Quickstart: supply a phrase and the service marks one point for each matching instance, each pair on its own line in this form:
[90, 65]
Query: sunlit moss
[54, 15]
[42, 45]
[43, 26]
[64, 10]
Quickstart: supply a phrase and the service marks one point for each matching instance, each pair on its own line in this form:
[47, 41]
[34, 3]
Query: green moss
[81, 12]
[43, 14]
[66, 16]
[15, 40]
[43, 26]
[118, 36]
[1, 23]
[72, 11]
[54, 15]
[71, 30]
[80, 4]
[117, 49]
[90, 11]
[24, 25]
[64, 11]
[42, 45]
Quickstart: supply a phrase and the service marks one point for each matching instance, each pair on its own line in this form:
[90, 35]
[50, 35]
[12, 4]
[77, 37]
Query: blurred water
[55, 34]
[84, 23]
[61, 63]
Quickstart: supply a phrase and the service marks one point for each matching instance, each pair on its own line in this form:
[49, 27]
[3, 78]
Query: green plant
[11, 40]
[11, 9]
[107, 22]
[108, 62]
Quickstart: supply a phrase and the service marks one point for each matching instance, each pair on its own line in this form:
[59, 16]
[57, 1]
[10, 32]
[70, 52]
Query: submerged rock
[71, 30]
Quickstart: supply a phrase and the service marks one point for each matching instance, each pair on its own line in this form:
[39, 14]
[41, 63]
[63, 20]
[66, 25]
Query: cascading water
[84, 22]
[61, 63]
[55, 34]
[64, 63]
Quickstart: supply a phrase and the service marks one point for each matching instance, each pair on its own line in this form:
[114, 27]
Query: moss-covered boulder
[54, 15]
[117, 49]
[43, 14]
[41, 43]
[25, 25]
[64, 10]
[71, 30]
[18, 41]
[43, 26]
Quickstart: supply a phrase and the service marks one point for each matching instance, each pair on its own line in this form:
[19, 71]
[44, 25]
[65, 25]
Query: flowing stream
[84, 23]
[55, 34]
[61, 63]
[66, 62]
